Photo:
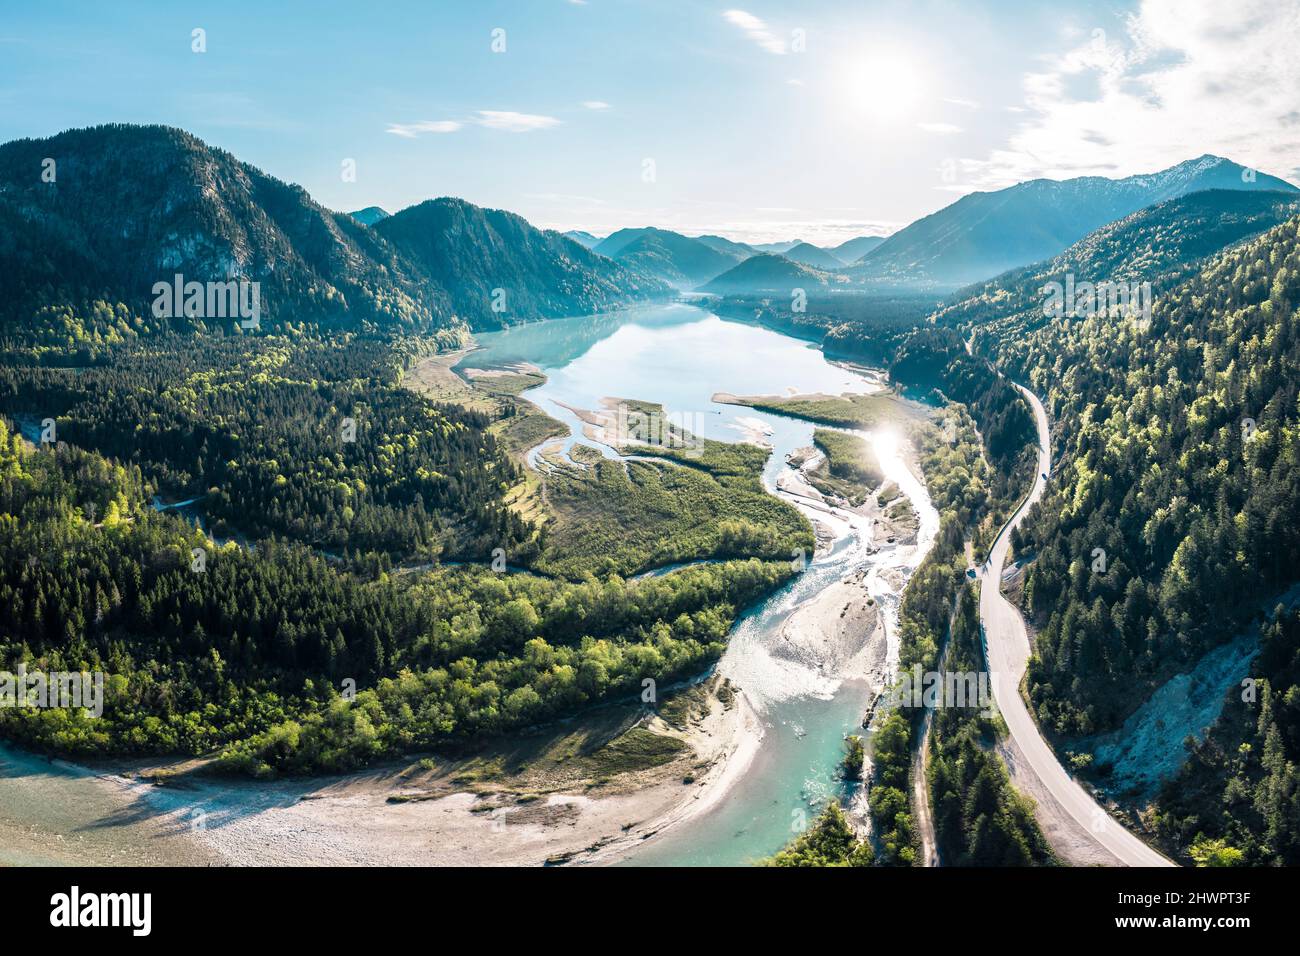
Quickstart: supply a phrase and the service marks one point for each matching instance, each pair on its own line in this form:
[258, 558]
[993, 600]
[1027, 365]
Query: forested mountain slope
[498, 270]
[257, 427]
[769, 272]
[1237, 800]
[133, 205]
[1162, 244]
[1172, 519]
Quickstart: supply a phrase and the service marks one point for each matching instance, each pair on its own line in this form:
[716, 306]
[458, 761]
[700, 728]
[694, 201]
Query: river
[679, 356]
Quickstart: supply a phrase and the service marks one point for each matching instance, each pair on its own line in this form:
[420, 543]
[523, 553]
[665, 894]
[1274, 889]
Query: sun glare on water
[886, 444]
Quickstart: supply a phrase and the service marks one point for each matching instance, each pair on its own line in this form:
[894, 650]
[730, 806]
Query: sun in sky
[882, 84]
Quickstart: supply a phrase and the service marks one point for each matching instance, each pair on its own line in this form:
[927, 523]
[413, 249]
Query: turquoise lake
[680, 356]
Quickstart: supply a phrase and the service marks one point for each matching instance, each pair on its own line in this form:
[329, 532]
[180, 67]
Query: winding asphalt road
[1006, 647]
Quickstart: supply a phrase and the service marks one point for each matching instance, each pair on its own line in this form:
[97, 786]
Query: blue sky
[762, 121]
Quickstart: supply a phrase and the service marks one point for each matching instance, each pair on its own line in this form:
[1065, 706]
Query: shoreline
[54, 812]
[728, 769]
[382, 816]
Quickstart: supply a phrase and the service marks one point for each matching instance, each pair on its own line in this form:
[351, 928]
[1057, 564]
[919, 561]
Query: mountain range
[810, 255]
[986, 233]
[853, 250]
[739, 250]
[125, 207]
[130, 206]
[777, 247]
[676, 259]
[982, 235]
[687, 262]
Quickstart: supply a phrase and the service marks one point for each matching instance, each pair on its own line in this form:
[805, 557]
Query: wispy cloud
[412, 130]
[595, 104]
[756, 30]
[943, 129]
[1182, 80]
[513, 122]
[506, 120]
[959, 101]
